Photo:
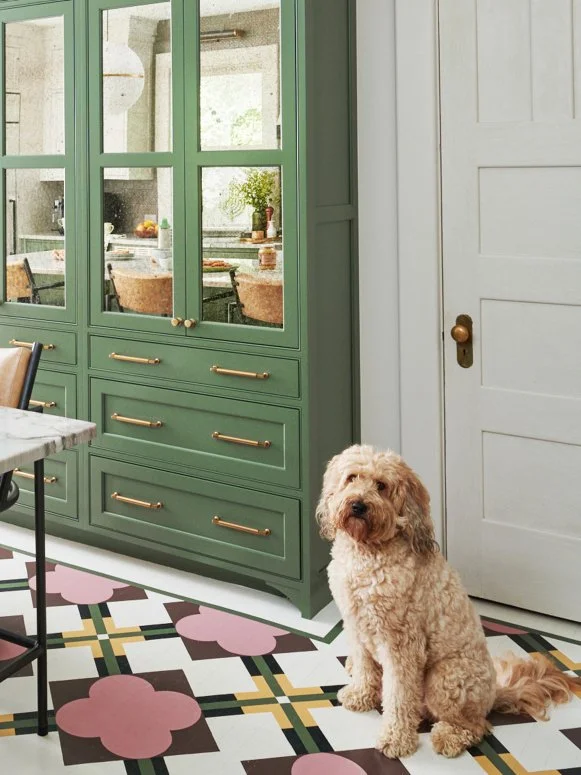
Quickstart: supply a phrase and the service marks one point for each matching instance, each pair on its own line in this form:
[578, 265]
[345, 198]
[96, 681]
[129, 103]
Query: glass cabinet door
[242, 248]
[136, 231]
[38, 247]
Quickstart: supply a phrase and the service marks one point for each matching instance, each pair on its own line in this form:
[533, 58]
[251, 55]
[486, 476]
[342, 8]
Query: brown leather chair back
[13, 366]
[17, 282]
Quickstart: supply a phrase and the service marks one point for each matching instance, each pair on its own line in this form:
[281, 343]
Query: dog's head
[374, 496]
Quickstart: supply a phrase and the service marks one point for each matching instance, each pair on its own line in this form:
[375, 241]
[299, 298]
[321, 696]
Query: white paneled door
[511, 208]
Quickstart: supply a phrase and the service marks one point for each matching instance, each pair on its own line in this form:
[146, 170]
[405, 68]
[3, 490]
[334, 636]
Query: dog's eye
[350, 478]
[380, 486]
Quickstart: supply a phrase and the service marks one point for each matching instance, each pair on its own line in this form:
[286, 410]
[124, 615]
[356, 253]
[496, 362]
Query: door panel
[511, 168]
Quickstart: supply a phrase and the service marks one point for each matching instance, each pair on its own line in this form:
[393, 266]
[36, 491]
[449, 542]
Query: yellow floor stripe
[303, 710]
[518, 769]
[112, 630]
[566, 661]
[94, 645]
[7, 732]
[292, 691]
[273, 708]
[262, 690]
[7, 717]
[118, 644]
[487, 765]
[87, 631]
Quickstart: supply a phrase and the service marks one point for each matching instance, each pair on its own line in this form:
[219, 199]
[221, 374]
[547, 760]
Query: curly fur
[417, 646]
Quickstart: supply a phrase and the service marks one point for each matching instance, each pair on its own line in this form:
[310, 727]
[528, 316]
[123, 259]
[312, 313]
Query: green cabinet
[202, 305]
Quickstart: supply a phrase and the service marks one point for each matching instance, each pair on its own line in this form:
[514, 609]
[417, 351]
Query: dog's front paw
[358, 698]
[396, 742]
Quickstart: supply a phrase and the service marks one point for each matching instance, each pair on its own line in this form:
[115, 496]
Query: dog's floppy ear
[331, 480]
[413, 503]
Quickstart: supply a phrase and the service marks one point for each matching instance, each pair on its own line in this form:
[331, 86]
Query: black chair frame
[36, 648]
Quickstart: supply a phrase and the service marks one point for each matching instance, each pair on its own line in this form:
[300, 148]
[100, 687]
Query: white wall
[378, 240]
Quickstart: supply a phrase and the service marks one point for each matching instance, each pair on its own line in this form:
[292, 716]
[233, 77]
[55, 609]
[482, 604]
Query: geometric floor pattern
[145, 684]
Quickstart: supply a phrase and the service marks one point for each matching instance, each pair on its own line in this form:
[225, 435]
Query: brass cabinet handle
[243, 442]
[236, 373]
[134, 421]
[241, 528]
[190, 323]
[44, 404]
[16, 343]
[177, 322]
[26, 475]
[134, 502]
[133, 359]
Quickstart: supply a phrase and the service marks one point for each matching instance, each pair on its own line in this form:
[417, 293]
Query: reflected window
[240, 76]
[35, 247]
[35, 85]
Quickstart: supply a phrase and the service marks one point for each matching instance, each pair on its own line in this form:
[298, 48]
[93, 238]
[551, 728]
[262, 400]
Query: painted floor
[146, 682]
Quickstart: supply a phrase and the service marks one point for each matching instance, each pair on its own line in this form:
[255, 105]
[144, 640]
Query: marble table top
[29, 436]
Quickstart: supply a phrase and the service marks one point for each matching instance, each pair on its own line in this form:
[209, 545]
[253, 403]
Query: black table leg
[39, 526]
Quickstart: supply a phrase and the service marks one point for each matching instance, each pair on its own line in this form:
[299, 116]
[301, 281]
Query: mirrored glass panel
[137, 243]
[35, 85]
[35, 246]
[240, 74]
[136, 78]
[242, 246]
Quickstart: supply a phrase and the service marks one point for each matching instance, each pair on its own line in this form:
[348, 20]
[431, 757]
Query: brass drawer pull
[26, 475]
[133, 421]
[133, 502]
[243, 442]
[44, 404]
[16, 343]
[132, 359]
[235, 373]
[254, 531]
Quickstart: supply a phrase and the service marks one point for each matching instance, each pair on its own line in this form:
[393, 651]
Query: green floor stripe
[268, 677]
[146, 767]
[494, 757]
[10, 586]
[330, 636]
[301, 730]
[110, 658]
[97, 619]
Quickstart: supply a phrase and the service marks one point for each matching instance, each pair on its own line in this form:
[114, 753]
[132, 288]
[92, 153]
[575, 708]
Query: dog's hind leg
[458, 694]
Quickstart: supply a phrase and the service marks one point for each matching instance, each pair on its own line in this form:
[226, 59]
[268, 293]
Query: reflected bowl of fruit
[146, 230]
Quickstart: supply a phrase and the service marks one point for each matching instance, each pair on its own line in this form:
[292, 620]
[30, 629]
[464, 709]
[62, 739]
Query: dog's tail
[531, 685]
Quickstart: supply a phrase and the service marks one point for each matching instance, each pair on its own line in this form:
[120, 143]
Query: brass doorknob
[190, 323]
[177, 322]
[460, 334]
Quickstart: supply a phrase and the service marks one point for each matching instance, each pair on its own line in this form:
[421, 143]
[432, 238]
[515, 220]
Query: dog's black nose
[358, 508]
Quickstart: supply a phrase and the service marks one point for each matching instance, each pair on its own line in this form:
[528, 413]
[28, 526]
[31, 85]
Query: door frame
[420, 248]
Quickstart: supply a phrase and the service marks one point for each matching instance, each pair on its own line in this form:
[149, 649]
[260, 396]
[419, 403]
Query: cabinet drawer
[60, 473]
[188, 513]
[63, 347]
[56, 392]
[239, 438]
[240, 371]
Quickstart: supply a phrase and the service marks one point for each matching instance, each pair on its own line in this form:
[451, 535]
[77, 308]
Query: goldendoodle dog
[417, 646]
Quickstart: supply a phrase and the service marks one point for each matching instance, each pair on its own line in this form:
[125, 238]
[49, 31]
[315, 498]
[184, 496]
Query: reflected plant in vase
[255, 191]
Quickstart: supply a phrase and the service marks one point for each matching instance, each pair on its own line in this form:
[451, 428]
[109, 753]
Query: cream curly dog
[417, 646]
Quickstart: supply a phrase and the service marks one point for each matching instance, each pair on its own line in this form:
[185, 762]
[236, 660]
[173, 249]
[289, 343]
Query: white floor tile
[312, 668]
[348, 731]
[539, 747]
[219, 676]
[250, 736]
[18, 695]
[71, 663]
[13, 569]
[204, 764]
[499, 645]
[33, 755]
[128, 613]
[571, 650]
[147, 656]
[426, 762]
[529, 619]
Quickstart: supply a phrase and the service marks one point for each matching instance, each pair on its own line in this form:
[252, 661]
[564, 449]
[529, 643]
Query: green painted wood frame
[186, 156]
[99, 161]
[68, 313]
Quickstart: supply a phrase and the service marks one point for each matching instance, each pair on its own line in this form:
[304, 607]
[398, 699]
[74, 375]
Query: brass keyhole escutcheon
[461, 333]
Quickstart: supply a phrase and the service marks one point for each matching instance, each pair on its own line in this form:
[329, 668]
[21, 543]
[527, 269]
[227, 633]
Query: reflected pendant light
[123, 77]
